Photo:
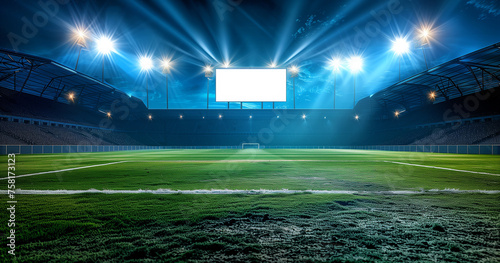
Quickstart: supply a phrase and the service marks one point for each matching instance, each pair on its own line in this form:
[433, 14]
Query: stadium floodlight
[208, 74]
[271, 65]
[80, 36]
[180, 116]
[304, 116]
[150, 117]
[336, 64]
[425, 34]
[108, 114]
[166, 64]
[356, 117]
[432, 95]
[226, 64]
[294, 73]
[104, 46]
[220, 116]
[71, 96]
[250, 116]
[396, 114]
[400, 46]
[355, 65]
[146, 64]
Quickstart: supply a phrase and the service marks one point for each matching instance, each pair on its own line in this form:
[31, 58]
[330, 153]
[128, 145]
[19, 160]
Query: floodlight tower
[272, 65]
[355, 65]
[167, 65]
[400, 46]
[105, 46]
[425, 34]
[209, 72]
[146, 65]
[294, 73]
[80, 41]
[226, 64]
[336, 64]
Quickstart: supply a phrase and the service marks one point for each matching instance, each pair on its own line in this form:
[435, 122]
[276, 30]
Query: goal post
[250, 145]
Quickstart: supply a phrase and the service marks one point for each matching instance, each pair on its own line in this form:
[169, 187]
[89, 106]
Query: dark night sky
[250, 33]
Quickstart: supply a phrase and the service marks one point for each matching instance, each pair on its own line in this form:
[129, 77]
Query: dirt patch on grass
[382, 229]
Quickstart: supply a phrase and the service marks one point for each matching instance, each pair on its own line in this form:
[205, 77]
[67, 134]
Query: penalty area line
[442, 168]
[63, 170]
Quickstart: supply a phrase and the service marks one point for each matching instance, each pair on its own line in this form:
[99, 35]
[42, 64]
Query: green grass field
[430, 223]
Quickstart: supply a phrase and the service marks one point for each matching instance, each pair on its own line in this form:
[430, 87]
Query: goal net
[249, 145]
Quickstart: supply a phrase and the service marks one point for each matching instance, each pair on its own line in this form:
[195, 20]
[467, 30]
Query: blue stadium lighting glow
[303, 116]
[220, 116]
[250, 116]
[356, 117]
[255, 34]
[226, 64]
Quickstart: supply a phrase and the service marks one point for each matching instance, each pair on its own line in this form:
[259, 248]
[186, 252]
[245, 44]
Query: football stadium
[250, 131]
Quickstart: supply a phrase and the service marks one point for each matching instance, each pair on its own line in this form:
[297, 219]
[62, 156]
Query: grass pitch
[427, 227]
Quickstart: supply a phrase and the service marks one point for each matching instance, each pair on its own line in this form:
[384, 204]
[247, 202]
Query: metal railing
[54, 149]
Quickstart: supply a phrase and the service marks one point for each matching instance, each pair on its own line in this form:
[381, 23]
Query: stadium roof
[49, 79]
[468, 74]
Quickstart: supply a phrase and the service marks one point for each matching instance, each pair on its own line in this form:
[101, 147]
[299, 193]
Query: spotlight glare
[105, 45]
[432, 95]
[396, 114]
[108, 114]
[303, 116]
[425, 32]
[208, 69]
[294, 69]
[356, 117]
[80, 36]
[146, 63]
[180, 116]
[400, 46]
[220, 116]
[226, 64]
[250, 116]
[355, 64]
[166, 64]
[150, 117]
[336, 64]
[272, 65]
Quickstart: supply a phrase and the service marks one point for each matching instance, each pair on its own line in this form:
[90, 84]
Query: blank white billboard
[250, 85]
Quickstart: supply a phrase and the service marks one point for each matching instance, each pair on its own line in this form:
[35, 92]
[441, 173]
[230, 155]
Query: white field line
[261, 191]
[255, 161]
[63, 170]
[442, 168]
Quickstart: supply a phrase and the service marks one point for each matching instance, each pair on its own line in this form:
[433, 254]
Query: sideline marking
[236, 191]
[64, 170]
[442, 168]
